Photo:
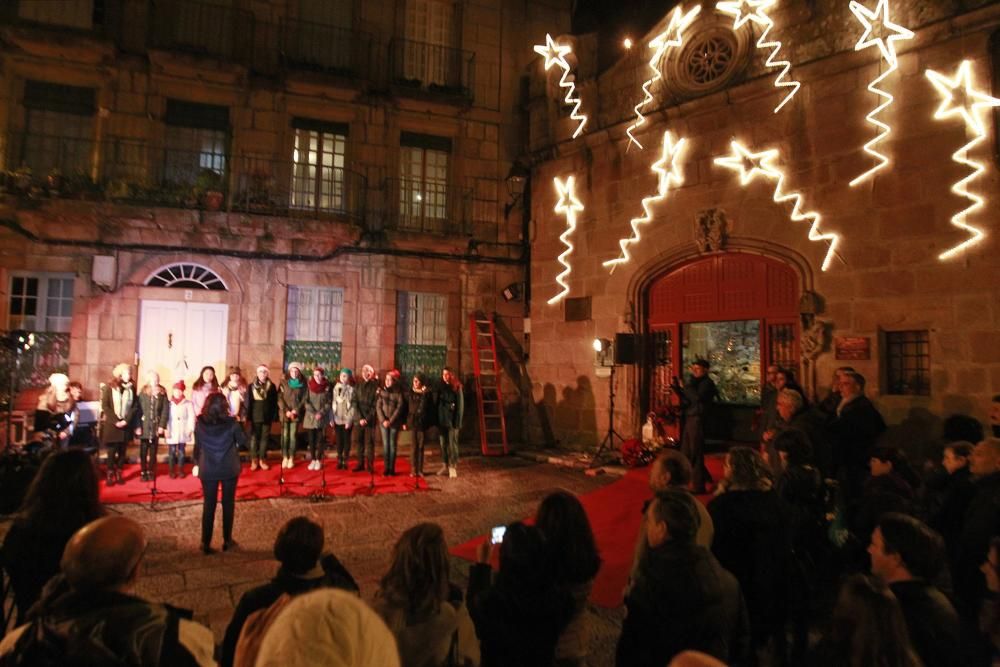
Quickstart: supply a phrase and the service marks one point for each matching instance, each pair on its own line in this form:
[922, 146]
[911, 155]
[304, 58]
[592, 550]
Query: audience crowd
[822, 546]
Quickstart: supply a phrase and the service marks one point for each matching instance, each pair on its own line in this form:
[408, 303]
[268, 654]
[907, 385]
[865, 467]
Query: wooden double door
[737, 310]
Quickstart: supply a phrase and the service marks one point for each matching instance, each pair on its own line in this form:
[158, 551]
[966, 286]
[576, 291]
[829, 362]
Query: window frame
[43, 298]
[898, 375]
[412, 327]
[424, 200]
[336, 134]
[314, 324]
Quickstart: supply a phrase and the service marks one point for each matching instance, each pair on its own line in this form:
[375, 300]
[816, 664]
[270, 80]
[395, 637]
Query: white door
[178, 338]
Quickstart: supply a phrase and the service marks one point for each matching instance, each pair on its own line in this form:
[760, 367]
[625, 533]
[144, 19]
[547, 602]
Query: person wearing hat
[697, 396]
[342, 415]
[390, 406]
[153, 415]
[291, 400]
[317, 414]
[56, 410]
[180, 429]
[366, 394]
[261, 411]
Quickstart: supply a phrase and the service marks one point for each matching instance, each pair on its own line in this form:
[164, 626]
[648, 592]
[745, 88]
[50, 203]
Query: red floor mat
[299, 482]
[614, 513]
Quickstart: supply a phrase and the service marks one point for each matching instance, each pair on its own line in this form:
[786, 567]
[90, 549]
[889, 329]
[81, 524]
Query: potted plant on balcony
[21, 179]
[208, 189]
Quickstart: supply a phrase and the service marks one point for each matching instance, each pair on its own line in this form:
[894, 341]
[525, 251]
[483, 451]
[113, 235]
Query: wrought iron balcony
[325, 48]
[203, 29]
[94, 19]
[414, 205]
[432, 69]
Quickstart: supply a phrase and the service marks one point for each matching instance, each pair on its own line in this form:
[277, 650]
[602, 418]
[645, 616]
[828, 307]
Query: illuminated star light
[751, 164]
[758, 14]
[555, 54]
[569, 206]
[669, 170]
[678, 23]
[969, 106]
[886, 45]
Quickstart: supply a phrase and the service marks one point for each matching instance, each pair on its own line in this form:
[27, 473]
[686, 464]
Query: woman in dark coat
[421, 417]
[390, 407]
[219, 437]
[119, 419]
[753, 541]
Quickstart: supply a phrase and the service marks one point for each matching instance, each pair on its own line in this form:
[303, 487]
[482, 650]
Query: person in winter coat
[119, 419]
[219, 438]
[421, 417]
[697, 396]
[317, 414]
[342, 415]
[291, 401]
[389, 407]
[155, 411]
[451, 410]
[206, 385]
[180, 429]
[261, 411]
[366, 395]
[235, 391]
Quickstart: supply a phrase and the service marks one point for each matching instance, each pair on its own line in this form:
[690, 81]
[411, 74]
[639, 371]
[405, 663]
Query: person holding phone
[697, 396]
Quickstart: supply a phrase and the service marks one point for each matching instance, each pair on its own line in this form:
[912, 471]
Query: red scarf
[318, 388]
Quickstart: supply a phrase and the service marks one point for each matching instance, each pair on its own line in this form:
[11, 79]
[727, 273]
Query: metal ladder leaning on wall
[492, 426]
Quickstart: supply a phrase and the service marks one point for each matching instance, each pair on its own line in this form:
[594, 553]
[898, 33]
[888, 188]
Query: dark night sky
[616, 19]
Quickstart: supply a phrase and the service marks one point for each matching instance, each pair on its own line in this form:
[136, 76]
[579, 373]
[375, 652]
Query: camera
[496, 535]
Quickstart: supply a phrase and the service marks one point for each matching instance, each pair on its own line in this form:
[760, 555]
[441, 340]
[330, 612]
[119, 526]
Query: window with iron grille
[315, 314]
[197, 142]
[41, 302]
[421, 318]
[423, 176]
[318, 160]
[908, 363]
[430, 36]
[59, 129]
[82, 14]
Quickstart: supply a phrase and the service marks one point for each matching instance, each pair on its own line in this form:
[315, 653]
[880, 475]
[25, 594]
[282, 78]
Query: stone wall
[887, 276]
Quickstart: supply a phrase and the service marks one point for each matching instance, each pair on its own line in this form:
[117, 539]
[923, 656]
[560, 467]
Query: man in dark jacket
[854, 431]
[949, 494]
[298, 547]
[908, 555]
[155, 411]
[366, 394]
[262, 410]
[697, 396]
[87, 615]
[980, 524]
[682, 599]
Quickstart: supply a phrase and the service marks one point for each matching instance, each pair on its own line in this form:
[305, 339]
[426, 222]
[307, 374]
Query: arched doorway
[739, 311]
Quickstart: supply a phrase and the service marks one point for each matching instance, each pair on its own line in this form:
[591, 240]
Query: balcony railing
[432, 68]
[325, 48]
[203, 29]
[413, 205]
[139, 172]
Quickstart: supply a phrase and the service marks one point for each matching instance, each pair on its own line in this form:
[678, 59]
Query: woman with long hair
[291, 403]
[317, 414]
[219, 437]
[63, 497]
[205, 385]
[119, 419]
[420, 605]
[389, 407]
[867, 628]
[575, 562]
[753, 541]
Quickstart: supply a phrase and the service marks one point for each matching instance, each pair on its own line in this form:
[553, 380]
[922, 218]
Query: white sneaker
[194, 471]
[452, 472]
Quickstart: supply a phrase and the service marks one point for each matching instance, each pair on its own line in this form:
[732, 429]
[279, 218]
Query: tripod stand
[153, 491]
[609, 438]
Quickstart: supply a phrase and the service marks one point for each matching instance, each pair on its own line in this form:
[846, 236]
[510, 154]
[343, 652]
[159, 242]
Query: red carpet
[299, 481]
[614, 513]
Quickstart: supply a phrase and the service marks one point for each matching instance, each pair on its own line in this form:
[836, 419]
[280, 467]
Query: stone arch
[145, 268]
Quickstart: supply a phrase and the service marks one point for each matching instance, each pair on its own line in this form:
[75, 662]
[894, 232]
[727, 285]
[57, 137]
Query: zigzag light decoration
[869, 19]
[669, 171]
[969, 105]
[556, 55]
[757, 13]
[750, 164]
[569, 206]
[672, 36]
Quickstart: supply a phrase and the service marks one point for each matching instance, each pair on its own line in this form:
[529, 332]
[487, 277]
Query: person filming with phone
[520, 613]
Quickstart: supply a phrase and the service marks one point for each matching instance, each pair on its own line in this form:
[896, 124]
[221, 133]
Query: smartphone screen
[496, 537]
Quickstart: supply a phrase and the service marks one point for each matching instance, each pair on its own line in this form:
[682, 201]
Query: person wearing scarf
[235, 391]
[261, 411]
[317, 410]
[119, 419]
[291, 399]
[365, 396]
[154, 413]
[390, 406]
[343, 415]
[180, 429]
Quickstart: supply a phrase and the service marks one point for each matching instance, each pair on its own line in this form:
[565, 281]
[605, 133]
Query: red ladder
[492, 426]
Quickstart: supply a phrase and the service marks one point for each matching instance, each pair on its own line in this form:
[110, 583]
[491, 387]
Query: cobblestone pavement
[361, 531]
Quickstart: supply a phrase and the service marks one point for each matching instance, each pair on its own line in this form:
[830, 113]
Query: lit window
[318, 159]
[41, 302]
[197, 144]
[423, 188]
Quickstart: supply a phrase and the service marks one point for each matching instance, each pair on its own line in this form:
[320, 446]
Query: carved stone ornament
[813, 340]
[711, 230]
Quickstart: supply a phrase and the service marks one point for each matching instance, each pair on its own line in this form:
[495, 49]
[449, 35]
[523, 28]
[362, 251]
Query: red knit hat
[180, 385]
[394, 373]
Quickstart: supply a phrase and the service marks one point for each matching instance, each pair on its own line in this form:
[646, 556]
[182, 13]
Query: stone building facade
[924, 331]
[236, 182]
